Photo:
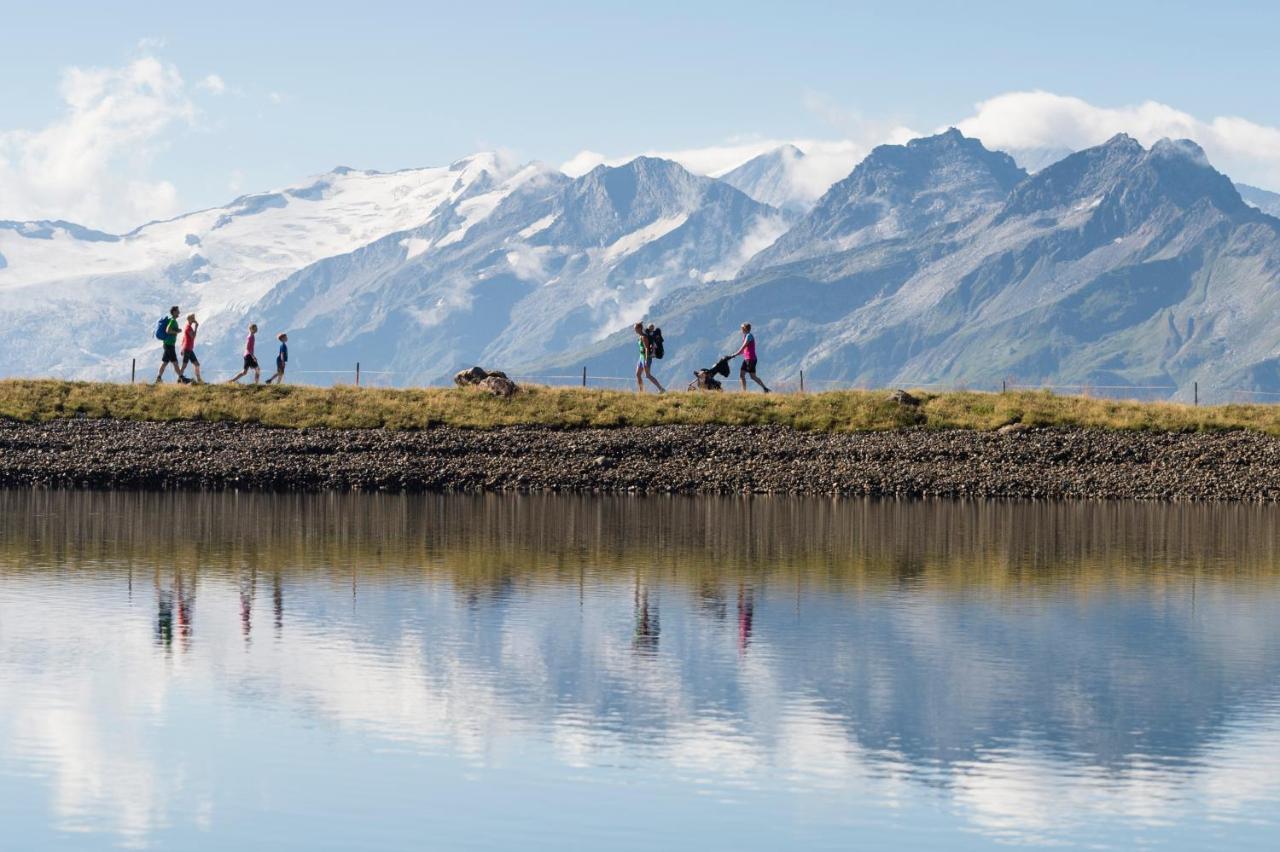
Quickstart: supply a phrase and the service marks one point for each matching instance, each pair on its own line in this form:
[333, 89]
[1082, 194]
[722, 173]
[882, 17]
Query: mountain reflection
[1040, 665]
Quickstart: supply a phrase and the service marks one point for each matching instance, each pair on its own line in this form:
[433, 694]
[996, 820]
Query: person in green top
[170, 341]
[645, 361]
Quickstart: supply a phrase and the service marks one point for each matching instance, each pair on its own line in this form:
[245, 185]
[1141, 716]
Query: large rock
[903, 398]
[498, 385]
[473, 376]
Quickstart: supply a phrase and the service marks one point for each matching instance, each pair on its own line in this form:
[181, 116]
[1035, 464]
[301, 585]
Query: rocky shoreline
[1034, 463]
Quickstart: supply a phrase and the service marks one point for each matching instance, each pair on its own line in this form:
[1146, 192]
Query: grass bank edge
[346, 407]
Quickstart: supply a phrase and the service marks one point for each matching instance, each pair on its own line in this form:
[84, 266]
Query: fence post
[1195, 399]
[133, 371]
[584, 377]
[802, 381]
[357, 374]
[1004, 386]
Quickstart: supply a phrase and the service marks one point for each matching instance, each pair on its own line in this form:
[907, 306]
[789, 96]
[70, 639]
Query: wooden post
[1004, 386]
[357, 374]
[802, 381]
[584, 377]
[1195, 399]
[133, 371]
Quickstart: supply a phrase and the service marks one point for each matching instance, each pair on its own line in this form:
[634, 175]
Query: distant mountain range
[938, 261]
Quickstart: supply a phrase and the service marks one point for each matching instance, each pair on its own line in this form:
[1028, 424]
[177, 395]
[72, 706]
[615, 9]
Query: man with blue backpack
[167, 333]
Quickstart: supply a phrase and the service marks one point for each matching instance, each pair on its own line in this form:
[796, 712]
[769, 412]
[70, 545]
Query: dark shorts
[748, 367]
[170, 354]
[280, 363]
[189, 357]
[250, 362]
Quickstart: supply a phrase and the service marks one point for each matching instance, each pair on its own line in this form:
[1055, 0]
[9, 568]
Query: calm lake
[385, 672]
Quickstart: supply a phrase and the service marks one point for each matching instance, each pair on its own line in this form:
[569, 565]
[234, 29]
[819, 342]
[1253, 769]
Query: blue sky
[301, 87]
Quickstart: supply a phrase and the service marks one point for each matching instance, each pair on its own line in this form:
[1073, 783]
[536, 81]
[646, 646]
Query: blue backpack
[162, 328]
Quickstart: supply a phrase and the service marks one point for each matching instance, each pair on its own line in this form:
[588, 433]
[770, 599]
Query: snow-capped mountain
[940, 261]
[78, 302]
[556, 265]
[934, 261]
[772, 178]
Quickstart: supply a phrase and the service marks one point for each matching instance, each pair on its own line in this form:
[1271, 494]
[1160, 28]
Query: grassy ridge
[839, 411]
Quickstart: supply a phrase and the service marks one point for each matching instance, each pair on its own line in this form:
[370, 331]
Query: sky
[114, 114]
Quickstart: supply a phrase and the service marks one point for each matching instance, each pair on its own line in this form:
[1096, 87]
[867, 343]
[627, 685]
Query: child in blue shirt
[282, 359]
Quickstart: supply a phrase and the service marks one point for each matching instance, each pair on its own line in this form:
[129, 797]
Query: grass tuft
[346, 407]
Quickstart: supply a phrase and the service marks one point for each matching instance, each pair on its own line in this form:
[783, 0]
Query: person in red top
[189, 350]
[250, 359]
[748, 352]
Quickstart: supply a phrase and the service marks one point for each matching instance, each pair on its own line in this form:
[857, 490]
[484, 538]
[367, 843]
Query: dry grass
[839, 411]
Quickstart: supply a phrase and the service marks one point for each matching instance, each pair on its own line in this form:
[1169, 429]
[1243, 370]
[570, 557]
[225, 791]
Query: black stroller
[705, 379]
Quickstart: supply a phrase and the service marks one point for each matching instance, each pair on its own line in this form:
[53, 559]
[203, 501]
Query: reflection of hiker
[748, 352]
[247, 591]
[282, 358]
[746, 615]
[186, 606]
[277, 601]
[250, 359]
[648, 626]
[645, 361]
[189, 350]
[167, 332]
[164, 616]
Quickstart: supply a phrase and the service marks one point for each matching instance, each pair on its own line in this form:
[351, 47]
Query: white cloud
[1243, 149]
[275, 97]
[90, 164]
[213, 84]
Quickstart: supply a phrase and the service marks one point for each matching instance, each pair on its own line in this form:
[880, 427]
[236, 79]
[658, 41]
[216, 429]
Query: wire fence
[1194, 393]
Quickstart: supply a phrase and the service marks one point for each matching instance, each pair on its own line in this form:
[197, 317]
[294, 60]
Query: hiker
[189, 351]
[748, 352]
[645, 361]
[167, 332]
[282, 358]
[250, 360]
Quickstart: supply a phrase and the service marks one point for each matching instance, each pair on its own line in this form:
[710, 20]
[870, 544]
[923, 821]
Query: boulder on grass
[903, 398]
[498, 385]
[473, 376]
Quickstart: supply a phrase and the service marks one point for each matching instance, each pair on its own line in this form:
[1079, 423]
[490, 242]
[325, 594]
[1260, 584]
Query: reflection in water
[761, 673]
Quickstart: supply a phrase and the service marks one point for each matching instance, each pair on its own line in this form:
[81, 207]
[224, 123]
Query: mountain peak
[943, 179]
[772, 178]
[1122, 142]
[1181, 148]
[1135, 181]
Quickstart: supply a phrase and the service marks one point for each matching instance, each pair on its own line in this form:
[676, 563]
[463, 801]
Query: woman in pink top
[250, 360]
[748, 352]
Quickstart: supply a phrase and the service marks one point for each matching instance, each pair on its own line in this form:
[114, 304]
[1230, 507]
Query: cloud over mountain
[1016, 121]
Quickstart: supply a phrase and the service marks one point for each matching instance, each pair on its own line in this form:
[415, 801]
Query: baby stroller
[705, 379]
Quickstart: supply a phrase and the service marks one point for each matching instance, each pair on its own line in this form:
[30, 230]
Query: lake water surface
[386, 672]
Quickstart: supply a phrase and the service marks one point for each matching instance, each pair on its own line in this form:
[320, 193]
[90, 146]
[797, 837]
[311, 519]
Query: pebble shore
[1034, 463]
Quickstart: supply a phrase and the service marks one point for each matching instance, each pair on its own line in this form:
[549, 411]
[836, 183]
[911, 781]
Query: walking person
[250, 359]
[167, 331]
[645, 362]
[189, 351]
[282, 359]
[748, 352]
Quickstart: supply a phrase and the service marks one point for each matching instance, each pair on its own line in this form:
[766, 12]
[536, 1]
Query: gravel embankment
[1050, 463]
